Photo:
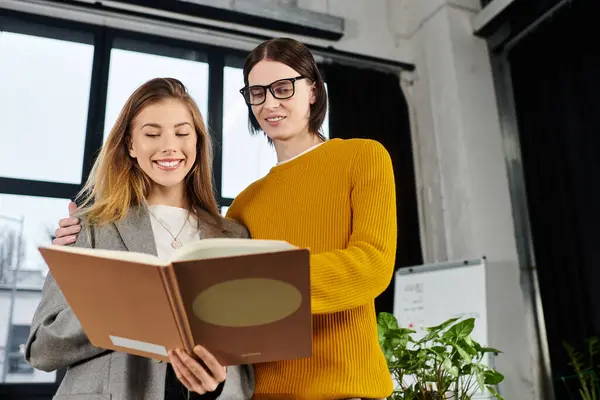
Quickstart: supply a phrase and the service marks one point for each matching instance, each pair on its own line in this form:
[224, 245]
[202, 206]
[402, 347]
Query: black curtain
[556, 80]
[369, 104]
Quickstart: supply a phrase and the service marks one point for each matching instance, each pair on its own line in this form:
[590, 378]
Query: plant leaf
[431, 336]
[495, 393]
[380, 334]
[480, 376]
[442, 326]
[460, 330]
[469, 341]
[490, 350]
[467, 369]
[399, 332]
[469, 348]
[466, 356]
[388, 351]
[387, 321]
[450, 368]
[439, 352]
[398, 338]
[493, 377]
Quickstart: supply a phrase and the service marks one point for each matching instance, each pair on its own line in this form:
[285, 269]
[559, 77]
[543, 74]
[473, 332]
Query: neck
[293, 146]
[163, 196]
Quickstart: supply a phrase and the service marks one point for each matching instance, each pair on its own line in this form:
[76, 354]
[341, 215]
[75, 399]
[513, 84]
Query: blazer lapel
[136, 231]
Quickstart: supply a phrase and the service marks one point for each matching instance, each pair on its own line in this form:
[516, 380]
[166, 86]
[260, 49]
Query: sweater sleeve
[351, 277]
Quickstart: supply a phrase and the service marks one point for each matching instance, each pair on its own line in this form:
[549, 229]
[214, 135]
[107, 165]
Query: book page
[110, 254]
[225, 247]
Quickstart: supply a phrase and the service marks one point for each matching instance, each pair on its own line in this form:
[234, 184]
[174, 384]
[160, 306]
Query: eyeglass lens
[283, 89]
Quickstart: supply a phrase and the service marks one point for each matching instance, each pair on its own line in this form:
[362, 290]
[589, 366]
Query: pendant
[176, 244]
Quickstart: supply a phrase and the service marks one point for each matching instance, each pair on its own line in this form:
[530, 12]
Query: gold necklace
[176, 244]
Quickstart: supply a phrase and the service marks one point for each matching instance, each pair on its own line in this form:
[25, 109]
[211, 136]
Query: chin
[169, 182]
[279, 135]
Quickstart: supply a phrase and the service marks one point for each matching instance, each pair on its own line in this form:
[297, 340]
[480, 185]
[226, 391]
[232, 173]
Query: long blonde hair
[116, 181]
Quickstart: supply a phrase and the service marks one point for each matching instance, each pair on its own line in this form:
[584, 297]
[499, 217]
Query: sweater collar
[305, 156]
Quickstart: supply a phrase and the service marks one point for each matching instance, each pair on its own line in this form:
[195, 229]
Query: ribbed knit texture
[338, 200]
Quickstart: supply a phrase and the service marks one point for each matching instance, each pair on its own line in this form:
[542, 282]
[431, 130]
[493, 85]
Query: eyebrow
[155, 125]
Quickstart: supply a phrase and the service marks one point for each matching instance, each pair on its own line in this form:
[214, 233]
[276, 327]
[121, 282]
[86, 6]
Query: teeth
[274, 119]
[167, 163]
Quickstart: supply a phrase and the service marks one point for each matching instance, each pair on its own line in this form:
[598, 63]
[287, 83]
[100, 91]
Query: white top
[173, 219]
[304, 152]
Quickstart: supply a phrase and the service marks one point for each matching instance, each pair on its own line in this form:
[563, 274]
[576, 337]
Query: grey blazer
[57, 340]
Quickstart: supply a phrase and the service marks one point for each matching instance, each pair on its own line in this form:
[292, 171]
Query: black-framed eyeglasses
[281, 89]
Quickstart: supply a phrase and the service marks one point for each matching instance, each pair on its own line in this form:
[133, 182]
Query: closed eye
[182, 134]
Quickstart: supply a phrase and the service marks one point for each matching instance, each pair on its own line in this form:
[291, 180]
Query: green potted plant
[446, 363]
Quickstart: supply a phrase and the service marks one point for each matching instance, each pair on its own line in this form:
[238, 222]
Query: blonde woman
[149, 191]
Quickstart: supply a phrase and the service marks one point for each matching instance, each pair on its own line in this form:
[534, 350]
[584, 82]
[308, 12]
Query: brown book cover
[245, 300]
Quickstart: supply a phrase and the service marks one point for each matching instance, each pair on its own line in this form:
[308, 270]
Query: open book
[245, 300]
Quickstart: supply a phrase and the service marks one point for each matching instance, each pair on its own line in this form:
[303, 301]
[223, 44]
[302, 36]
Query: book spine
[172, 288]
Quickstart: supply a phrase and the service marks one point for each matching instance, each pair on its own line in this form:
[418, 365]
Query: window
[16, 351]
[44, 101]
[246, 157]
[26, 222]
[46, 81]
[132, 64]
[39, 216]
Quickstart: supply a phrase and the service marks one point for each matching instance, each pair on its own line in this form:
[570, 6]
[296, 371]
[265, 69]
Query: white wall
[376, 28]
[462, 179]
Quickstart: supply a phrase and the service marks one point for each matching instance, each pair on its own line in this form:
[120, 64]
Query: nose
[270, 101]
[169, 143]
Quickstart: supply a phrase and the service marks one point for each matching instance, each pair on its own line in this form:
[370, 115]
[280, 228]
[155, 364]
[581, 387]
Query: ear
[132, 152]
[313, 94]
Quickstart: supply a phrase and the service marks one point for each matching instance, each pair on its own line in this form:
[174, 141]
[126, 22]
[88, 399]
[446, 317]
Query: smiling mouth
[274, 119]
[168, 165]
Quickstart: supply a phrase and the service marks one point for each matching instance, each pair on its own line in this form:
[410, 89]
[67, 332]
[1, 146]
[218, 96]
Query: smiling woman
[157, 123]
[164, 143]
[157, 163]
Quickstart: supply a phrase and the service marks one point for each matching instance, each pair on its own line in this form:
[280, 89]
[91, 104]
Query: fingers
[175, 362]
[193, 375]
[180, 371]
[72, 208]
[66, 235]
[216, 370]
[63, 241]
[67, 222]
[198, 373]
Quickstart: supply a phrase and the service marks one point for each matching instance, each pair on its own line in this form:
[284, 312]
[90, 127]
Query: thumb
[72, 208]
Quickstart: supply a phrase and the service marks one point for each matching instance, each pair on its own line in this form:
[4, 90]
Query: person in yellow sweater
[335, 197]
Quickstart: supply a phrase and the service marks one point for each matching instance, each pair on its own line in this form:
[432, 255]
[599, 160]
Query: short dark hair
[297, 56]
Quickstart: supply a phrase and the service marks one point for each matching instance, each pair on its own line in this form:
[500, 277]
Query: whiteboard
[430, 294]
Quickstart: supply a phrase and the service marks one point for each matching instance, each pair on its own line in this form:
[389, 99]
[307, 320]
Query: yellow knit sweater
[338, 200]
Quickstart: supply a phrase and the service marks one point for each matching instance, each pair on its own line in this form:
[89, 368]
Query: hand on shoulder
[68, 228]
